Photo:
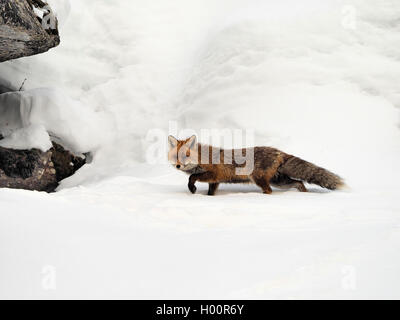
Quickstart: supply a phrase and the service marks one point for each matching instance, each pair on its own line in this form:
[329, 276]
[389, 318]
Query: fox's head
[183, 154]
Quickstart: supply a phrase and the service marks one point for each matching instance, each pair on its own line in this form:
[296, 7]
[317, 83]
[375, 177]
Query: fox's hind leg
[263, 182]
[294, 184]
[299, 185]
[212, 187]
[283, 181]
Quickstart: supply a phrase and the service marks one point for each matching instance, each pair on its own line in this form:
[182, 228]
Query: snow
[63, 118]
[316, 79]
[31, 137]
[39, 12]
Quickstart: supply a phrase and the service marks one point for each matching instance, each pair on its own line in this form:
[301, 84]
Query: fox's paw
[192, 188]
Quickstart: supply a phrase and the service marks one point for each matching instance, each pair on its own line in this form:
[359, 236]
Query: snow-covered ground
[319, 79]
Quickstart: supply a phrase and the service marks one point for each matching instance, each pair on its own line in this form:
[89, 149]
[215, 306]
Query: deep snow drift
[316, 79]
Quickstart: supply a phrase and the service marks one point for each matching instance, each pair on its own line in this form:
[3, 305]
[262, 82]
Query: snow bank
[31, 137]
[80, 128]
[207, 64]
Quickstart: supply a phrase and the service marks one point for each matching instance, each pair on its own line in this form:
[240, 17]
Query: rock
[65, 163]
[26, 169]
[23, 32]
[36, 170]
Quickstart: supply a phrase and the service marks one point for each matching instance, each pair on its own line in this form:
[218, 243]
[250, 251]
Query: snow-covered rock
[80, 128]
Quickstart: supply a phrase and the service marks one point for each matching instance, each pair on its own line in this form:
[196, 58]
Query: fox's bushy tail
[300, 169]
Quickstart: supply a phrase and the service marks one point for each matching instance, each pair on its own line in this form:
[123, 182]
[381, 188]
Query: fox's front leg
[191, 186]
[203, 177]
[212, 187]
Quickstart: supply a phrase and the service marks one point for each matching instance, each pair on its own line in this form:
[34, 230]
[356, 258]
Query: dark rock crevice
[65, 163]
[18, 163]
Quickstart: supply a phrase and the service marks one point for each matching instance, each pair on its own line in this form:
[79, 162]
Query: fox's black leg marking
[192, 187]
[203, 177]
[192, 181]
[212, 187]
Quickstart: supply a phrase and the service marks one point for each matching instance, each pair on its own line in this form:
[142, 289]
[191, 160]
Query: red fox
[268, 167]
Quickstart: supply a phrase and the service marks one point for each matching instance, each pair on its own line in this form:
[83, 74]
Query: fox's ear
[172, 142]
[192, 142]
